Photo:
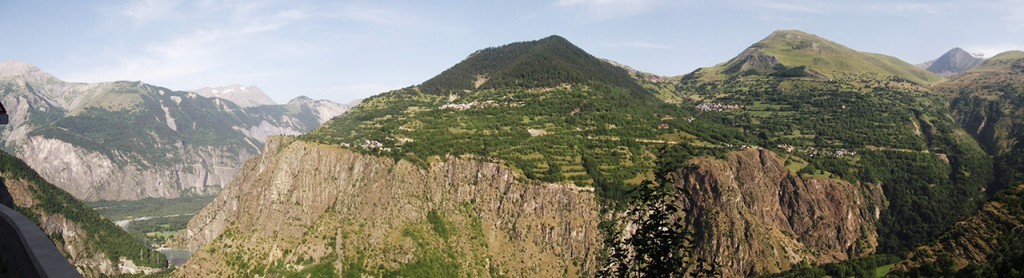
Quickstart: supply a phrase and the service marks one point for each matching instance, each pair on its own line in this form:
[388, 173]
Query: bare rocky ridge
[751, 215]
[301, 201]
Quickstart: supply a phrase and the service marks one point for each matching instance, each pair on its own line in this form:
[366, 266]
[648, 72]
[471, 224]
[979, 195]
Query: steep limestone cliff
[319, 209]
[751, 215]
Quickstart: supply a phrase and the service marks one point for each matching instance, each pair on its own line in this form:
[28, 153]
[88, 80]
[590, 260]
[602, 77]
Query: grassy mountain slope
[987, 102]
[797, 53]
[1003, 61]
[562, 126]
[830, 112]
[870, 120]
[94, 245]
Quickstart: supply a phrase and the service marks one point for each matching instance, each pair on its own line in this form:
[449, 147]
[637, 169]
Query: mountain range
[799, 155]
[131, 140]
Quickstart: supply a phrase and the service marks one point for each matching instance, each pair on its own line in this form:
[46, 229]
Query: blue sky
[343, 50]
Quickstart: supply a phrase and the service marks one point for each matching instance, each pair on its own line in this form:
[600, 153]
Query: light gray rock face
[323, 109]
[130, 140]
[90, 175]
[244, 96]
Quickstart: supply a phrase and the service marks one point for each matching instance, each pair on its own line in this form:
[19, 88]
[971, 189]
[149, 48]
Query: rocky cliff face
[751, 215]
[90, 175]
[310, 208]
[305, 205]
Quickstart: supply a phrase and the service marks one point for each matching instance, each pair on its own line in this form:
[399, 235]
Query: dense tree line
[547, 62]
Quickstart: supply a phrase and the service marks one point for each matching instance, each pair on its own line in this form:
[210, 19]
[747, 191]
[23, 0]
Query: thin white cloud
[614, 8]
[1014, 16]
[218, 37]
[374, 16]
[161, 62]
[856, 7]
[805, 7]
[141, 12]
[637, 45]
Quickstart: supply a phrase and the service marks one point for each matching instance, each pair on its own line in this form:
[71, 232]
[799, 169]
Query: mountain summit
[244, 96]
[546, 62]
[955, 61]
[792, 53]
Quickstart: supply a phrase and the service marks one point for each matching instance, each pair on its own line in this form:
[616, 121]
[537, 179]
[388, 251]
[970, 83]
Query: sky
[346, 50]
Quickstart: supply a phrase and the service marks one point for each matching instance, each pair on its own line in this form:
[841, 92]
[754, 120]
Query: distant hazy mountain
[324, 109]
[955, 61]
[244, 96]
[130, 140]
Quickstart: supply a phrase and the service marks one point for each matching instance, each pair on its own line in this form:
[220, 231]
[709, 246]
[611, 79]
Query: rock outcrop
[751, 215]
[303, 206]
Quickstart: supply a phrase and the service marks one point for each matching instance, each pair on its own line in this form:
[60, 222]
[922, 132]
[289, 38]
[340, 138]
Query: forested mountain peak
[547, 62]
[792, 53]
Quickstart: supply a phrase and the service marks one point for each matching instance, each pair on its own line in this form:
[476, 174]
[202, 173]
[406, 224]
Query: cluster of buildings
[476, 104]
[716, 107]
[374, 145]
[815, 151]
